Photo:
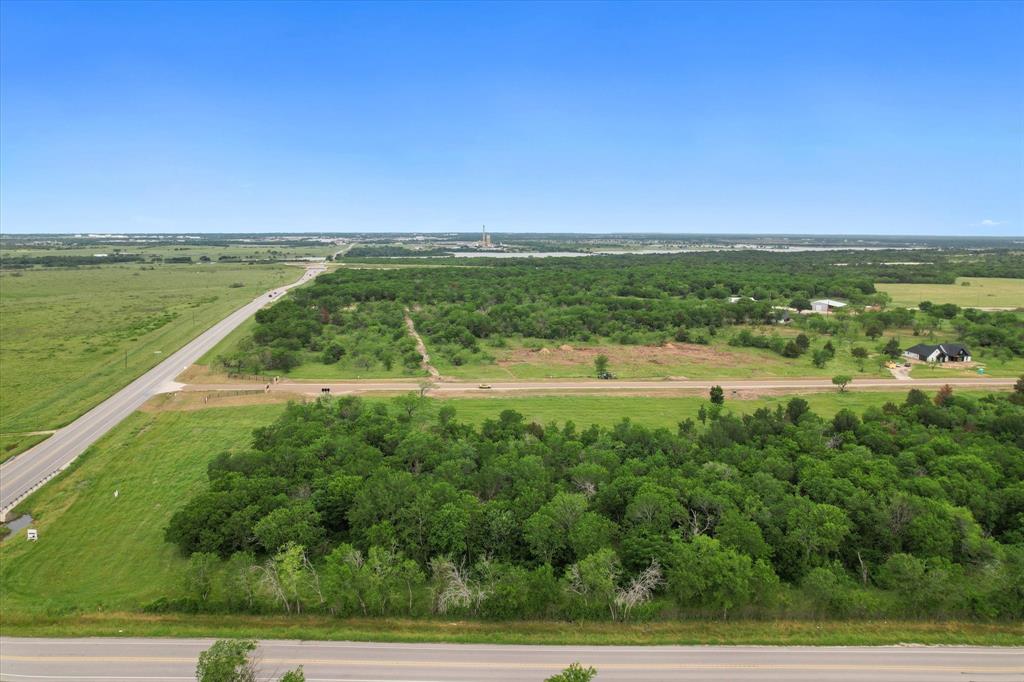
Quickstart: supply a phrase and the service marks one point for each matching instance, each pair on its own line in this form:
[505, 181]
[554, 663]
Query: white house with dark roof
[944, 352]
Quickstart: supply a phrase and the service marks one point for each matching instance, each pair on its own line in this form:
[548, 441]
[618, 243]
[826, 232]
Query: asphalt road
[26, 472]
[555, 386]
[175, 659]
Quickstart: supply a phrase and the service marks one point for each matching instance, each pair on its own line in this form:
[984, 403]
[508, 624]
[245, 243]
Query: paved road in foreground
[175, 659]
[555, 386]
[26, 472]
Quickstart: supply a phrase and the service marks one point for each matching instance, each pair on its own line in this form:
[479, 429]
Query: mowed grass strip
[656, 412]
[97, 551]
[65, 334]
[12, 444]
[693, 632]
[979, 292]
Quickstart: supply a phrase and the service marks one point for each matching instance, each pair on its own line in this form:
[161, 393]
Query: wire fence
[217, 395]
[252, 377]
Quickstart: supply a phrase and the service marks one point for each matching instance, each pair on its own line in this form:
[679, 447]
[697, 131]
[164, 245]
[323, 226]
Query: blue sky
[879, 118]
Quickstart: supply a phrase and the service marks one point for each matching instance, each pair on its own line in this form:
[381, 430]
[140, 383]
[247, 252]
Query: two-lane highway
[174, 659]
[26, 472]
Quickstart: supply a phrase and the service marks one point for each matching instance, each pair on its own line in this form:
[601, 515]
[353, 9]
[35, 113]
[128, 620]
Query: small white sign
[33, 534]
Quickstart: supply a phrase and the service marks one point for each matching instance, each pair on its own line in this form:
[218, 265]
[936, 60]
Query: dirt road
[594, 386]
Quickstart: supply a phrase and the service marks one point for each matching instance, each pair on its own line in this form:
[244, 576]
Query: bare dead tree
[701, 521]
[639, 590]
[586, 487]
[454, 587]
[313, 577]
[863, 570]
[900, 514]
[271, 581]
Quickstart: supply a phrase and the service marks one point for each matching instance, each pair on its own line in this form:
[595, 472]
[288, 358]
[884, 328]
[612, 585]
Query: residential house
[944, 352]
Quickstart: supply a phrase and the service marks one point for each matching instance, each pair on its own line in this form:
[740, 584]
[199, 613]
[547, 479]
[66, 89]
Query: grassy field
[213, 252]
[653, 412]
[978, 292]
[65, 334]
[736, 632]
[98, 551]
[12, 444]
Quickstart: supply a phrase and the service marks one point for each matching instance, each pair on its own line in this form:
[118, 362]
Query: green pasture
[69, 338]
[265, 250]
[12, 444]
[967, 292]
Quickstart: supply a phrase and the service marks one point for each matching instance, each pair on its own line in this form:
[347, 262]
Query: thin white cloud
[990, 223]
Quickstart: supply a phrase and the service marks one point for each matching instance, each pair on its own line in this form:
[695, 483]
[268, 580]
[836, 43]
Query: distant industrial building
[826, 305]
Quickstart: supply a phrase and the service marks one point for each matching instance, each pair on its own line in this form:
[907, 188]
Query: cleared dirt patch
[188, 401]
[669, 354]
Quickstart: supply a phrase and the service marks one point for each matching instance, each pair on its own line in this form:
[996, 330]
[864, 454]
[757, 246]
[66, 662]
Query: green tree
[818, 529]
[796, 408]
[240, 581]
[717, 395]
[820, 358]
[548, 532]
[347, 580]
[227, 660]
[844, 420]
[841, 381]
[1018, 391]
[601, 365]
[892, 348]
[593, 580]
[199, 575]
[299, 524]
[704, 574]
[860, 354]
[574, 673]
[230, 660]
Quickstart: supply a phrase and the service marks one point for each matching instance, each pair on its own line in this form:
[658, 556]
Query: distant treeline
[55, 261]
[67, 261]
[391, 251]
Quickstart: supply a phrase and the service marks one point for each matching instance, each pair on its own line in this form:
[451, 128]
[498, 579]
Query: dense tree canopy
[625, 299]
[912, 509]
